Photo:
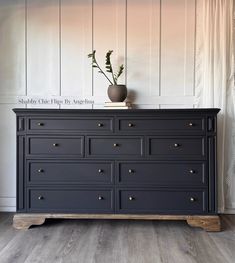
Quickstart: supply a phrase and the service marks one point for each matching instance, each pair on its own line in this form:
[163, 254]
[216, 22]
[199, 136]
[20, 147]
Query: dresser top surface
[117, 111]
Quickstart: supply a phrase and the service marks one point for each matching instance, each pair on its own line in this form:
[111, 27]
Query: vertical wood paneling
[43, 55]
[12, 47]
[177, 47]
[143, 39]
[7, 151]
[108, 34]
[76, 43]
[190, 42]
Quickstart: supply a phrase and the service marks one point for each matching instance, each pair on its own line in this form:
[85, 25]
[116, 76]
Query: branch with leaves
[108, 66]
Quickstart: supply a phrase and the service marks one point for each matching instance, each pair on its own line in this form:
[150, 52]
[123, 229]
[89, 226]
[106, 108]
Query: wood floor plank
[107, 241]
[225, 240]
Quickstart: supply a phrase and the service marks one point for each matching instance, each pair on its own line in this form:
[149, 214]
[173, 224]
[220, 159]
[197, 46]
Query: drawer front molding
[144, 125]
[177, 147]
[55, 146]
[115, 146]
[68, 125]
[162, 173]
[69, 172]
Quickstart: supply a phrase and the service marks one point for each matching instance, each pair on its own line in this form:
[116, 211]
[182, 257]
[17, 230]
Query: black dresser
[117, 164]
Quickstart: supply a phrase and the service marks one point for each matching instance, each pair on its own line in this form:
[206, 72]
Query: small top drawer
[55, 146]
[159, 125]
[115, 146]
[188, 148]
[78, 124]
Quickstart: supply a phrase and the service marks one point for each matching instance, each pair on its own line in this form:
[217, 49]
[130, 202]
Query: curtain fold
[215, 85]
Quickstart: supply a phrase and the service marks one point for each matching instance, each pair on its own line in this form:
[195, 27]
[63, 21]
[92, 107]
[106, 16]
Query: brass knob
[100, 125]
[40, 124]
[40, 197]
[192, 171]
[55, 144]
[131, 125]
[130, 171]
[190, 124]
[115, 145]
[131, 198]
[192, 199]
[100, 171]
[100, 198]
[40, 170]
[176, 145]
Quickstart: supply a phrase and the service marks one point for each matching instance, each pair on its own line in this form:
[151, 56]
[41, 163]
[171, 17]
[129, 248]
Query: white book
[119, 108]
[117, 104]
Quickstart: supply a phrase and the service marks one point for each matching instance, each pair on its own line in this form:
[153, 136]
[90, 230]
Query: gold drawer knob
[131, 198]
[100, 125]
[40, 197]
[191, 124]
[100, 198]
[131, 171]
[192, 171]
[55, 144]
[176, 145]
[40, 124]
[40, 170]
[192, 199]
[100, 171]
[115, 145]
[131, 125]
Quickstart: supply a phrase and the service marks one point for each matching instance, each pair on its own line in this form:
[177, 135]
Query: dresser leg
[24, 221]
[208, 223]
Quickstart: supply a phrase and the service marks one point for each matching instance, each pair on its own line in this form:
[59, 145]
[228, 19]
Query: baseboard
[7, 204]
[230, 211]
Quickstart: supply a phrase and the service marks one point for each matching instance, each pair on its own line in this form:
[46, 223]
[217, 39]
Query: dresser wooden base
[208, 223]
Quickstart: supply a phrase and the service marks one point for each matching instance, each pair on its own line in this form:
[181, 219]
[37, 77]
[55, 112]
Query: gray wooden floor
[104, 241]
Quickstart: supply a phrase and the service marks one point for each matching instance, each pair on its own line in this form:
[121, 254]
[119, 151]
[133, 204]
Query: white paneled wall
[43, 47]
[43, 54]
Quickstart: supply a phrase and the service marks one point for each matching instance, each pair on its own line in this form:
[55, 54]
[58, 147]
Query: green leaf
[120, 71]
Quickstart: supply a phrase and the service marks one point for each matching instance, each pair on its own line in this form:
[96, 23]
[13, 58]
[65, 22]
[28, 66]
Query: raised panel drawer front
[99, 124]
[64, 172]
[147, 125]
[115, 146]
[62, 200]
[162, 173]
[55, 146]
[193, 147]
[162, 201]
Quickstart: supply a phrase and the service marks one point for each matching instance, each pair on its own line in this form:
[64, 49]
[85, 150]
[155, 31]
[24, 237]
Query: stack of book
[117, 105]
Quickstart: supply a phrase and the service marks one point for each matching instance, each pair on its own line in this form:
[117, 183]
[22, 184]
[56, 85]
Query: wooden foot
[25, 222]
[208, 223]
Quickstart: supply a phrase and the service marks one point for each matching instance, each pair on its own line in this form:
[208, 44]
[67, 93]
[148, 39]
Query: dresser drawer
[65, 200]
[64, 172]
[98, 124]
[159, 125]
[162, 173]
[162, 201]
[115, 146]
[193, 147]
[55, 146]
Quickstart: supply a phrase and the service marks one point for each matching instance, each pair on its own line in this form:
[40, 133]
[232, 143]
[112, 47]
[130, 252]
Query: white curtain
[215, 86]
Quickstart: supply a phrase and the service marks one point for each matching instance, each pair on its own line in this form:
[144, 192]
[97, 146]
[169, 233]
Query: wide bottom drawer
[162, 201]
[70, 200]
